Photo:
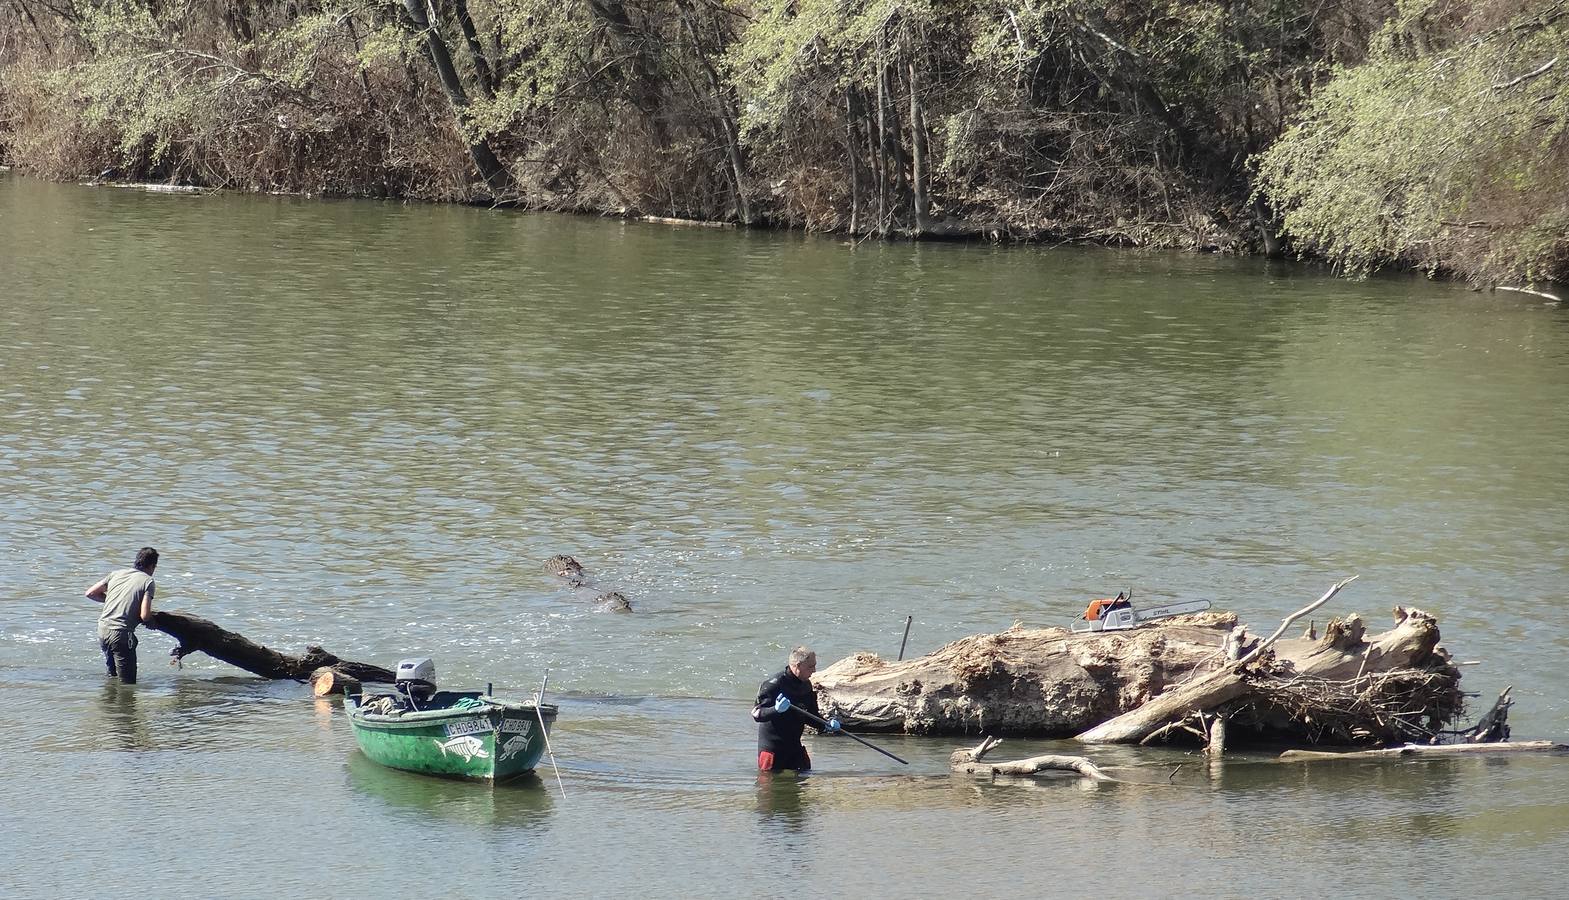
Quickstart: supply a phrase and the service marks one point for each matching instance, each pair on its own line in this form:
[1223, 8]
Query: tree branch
[1527, 76]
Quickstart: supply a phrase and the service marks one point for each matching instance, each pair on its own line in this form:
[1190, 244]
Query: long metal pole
[907, 620]
[540, 714]
[824, 722]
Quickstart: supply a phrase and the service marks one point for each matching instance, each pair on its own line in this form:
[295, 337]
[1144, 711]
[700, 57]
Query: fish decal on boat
[512, 747]
[468, 747]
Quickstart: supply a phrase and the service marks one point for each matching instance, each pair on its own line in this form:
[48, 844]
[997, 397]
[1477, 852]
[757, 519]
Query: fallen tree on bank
[198, 635]
[1165, 680]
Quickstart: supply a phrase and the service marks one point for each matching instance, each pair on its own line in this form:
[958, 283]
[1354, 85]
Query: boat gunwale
[427, 718]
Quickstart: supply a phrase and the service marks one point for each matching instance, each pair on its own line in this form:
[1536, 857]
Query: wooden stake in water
[540, 714]
[907, 620]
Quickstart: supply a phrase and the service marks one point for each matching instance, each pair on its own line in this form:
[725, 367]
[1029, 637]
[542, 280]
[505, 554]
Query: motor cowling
[416, 677]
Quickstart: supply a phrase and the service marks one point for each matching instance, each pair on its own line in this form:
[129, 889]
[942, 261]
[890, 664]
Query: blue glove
[782, 705]
[834, 726]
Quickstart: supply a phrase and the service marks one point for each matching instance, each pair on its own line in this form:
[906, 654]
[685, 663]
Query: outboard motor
[416, 680]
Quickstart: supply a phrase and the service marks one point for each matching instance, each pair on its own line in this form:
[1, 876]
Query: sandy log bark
[1053, 683]
[1035, 681]
[968, 762]
[1428, 750]
[198, 635]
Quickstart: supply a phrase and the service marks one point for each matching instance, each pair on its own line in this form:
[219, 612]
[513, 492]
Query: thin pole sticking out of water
[907, 620]
[540, 714]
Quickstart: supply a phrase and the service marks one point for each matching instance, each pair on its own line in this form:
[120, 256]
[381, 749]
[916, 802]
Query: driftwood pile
[1192, 678]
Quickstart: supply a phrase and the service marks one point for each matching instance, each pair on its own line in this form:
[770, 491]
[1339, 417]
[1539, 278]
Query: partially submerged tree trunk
[1158, 679]
[1428, 750]
[198, 635]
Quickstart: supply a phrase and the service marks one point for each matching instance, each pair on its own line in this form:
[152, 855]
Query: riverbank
[1149, 125]
[965, 232]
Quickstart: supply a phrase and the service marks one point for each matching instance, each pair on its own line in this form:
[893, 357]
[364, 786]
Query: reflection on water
[120, 722]
[781, 801]
[524, 802]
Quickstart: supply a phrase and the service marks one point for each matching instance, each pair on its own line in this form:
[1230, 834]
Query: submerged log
[1427, 750]
[1172, 676]
[968, 762]
[198, 635]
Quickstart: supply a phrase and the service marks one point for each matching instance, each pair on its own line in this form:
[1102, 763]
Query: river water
[366, 425]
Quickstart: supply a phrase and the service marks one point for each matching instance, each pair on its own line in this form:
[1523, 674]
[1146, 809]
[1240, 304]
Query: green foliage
[556, 40]
[798, 53]
[1423, 133]
[127, 82]
[1446, 150]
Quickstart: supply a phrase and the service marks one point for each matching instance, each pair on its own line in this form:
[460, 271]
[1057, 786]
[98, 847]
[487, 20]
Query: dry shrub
[46, 130]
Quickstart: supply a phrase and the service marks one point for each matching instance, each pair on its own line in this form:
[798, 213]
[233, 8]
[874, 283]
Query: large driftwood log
[198, 635]
[1344, 687]
[968, 762]
[1046, 682]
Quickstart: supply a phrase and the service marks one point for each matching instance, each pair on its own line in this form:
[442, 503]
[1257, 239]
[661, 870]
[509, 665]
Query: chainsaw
[1119, 614]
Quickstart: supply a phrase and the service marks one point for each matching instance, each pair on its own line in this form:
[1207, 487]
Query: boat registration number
[520, 726]
[468, 726]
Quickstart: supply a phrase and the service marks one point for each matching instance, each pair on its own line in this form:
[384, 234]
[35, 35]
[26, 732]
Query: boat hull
[493, 743]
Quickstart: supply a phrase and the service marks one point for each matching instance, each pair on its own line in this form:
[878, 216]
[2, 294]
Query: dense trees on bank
[1371, 132]
[1446, 149]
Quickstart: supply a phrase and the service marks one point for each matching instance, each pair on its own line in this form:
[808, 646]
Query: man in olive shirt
[127, 596]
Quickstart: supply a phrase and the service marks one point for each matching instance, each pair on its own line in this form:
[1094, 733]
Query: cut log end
[326, 681]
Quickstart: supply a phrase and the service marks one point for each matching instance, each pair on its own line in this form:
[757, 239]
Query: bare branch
[1520, 290]
[1527, 76]
[1265, 644]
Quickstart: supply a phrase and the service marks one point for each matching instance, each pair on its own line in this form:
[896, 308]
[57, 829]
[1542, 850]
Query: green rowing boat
[454, 734]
